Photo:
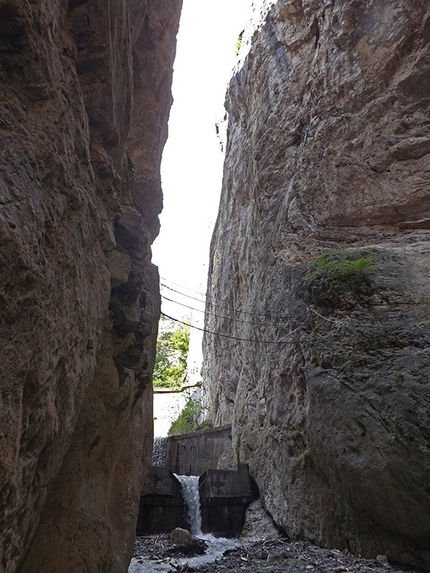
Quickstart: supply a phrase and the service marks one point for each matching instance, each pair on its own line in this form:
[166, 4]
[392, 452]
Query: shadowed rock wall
[85, 97]
[326, 376]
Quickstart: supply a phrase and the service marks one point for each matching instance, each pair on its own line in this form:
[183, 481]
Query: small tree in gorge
[170, 370]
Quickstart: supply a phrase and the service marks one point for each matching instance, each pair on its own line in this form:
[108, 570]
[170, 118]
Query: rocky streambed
[277, 554]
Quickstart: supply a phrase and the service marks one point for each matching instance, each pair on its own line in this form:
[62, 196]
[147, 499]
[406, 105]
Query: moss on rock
[339, 279]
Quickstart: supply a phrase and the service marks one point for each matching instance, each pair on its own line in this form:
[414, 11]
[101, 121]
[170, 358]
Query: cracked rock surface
[84, 101]
[324, 373]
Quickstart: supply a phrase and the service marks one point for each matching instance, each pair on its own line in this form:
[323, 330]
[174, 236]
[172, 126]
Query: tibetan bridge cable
[205, 312]
[228, 336]
[230, 309]
[226, 308]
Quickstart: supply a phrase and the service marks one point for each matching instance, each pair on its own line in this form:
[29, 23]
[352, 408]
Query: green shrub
[187, 421]
[170, 369]
[239, 42]
[339, 279]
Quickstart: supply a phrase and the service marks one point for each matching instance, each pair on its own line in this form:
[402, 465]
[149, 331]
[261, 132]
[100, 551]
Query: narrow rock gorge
[85, 98]
[318, 340]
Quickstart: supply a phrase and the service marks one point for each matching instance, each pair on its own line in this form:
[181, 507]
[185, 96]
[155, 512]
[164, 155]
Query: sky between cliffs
[192, 160]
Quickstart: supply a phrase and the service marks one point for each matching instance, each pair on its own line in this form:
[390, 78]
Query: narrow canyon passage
[315, 378]
[316, 346]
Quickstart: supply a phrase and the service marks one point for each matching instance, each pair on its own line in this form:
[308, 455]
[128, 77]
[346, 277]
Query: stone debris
[258, 524]
[274, 555]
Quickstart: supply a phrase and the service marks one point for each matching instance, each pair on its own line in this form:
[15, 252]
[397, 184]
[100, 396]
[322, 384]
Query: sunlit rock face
[326, 374]
[85, 96]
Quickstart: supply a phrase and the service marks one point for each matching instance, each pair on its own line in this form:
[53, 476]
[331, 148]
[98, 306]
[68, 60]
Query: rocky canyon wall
[318, 296]
[85, 97]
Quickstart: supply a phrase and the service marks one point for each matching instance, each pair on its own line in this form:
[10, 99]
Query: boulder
[258, 525]
[181, 537]
[187, 543]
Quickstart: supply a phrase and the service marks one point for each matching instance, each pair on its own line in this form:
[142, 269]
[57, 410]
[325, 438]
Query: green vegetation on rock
[170, 370]
[339, 279]
[188, 419]
[239, 42]
[293, 434]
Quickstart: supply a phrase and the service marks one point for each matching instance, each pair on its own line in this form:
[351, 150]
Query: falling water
[216, 546]
[190, 493]
[159, 451]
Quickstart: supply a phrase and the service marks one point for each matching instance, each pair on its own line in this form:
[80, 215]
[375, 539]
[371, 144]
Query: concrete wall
[224, 493]
[161, 504]
[224, 499]
[193, 454]
[229, 484]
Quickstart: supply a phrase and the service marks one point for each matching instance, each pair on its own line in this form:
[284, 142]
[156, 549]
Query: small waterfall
[190, 493]
[159, 451]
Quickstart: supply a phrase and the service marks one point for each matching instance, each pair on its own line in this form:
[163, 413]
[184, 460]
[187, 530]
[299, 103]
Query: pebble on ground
[275, 555]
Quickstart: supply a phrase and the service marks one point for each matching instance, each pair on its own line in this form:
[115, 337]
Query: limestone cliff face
[326, 374]
[85, 96]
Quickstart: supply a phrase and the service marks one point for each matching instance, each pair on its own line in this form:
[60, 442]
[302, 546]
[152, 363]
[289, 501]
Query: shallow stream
[216, 546]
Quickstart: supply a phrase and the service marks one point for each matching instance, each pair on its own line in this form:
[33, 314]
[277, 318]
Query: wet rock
[187, 543]
[258, 524]
[275, 555]
[181, 537]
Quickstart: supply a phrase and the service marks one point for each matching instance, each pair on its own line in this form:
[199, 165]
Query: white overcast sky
[192, 160]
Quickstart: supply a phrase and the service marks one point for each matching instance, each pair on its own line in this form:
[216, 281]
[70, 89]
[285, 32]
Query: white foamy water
[216, 545]
[215, 550]
[148, 566]
[159, 451]
[191, 495]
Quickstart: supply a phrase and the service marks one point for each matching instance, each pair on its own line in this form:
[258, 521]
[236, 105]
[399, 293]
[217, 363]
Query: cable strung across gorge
[227, 335]
[182, 287]
[274, 316]
[205, 301]
[228, 309]
[205, 312]
[182, 293]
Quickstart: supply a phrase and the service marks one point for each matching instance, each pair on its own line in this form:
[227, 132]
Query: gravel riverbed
[155, 553]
